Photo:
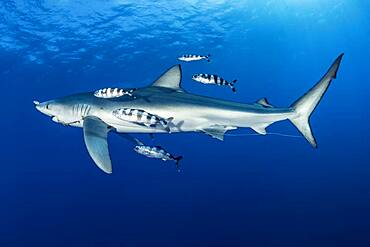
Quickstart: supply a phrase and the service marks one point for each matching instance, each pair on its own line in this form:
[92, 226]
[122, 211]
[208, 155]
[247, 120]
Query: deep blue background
[245, 191]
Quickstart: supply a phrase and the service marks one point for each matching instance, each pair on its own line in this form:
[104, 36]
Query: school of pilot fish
[147, 119]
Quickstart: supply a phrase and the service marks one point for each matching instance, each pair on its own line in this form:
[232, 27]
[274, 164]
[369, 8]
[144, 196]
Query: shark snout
[42, 107]
[37, 105]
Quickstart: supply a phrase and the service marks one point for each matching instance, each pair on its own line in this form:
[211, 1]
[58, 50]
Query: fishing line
[270, 133]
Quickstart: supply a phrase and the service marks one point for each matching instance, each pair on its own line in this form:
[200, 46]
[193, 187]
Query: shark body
[190, 112]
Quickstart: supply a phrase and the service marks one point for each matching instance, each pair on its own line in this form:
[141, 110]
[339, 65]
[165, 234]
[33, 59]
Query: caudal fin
[306, 104]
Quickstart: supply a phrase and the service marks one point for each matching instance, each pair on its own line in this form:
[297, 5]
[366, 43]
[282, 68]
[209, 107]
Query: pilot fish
[214, 79]
[190, 58]
[157, 152]
[142, 117]
[108, 93]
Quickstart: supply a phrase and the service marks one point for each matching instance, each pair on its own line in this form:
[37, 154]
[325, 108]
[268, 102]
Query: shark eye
[47, 106]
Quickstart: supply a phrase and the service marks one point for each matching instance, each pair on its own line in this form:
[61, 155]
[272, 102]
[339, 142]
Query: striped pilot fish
[214, 79]
[190, 58]
[143, 118]
[108, 93]
[157, 152]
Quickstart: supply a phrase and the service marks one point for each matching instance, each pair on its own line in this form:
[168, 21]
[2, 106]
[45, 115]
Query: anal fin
[260, 129]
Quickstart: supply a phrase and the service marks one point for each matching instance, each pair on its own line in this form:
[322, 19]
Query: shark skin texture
[188, 112]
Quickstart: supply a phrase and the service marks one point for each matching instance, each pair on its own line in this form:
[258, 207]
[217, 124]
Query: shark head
[63, 110]
[48, 108]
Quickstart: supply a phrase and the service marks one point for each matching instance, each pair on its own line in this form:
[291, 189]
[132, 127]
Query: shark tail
[306, 104]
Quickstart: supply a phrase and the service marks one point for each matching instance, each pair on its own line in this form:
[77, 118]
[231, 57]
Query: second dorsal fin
[263, 102]
[170, 79]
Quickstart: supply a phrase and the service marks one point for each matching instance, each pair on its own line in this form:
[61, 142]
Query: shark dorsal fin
[170, 79]
[264, 102]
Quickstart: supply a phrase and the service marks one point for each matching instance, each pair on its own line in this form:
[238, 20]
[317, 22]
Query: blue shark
[189, 112]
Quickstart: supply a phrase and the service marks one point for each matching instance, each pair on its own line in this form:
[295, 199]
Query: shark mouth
[55, 119]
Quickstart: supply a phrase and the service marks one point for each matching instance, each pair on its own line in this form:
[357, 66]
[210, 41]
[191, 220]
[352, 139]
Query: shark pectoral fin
[217, 131]
[95, 135]
[170, 79]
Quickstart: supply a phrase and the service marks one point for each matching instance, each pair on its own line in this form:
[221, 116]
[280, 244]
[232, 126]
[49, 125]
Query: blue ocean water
[245, 191]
